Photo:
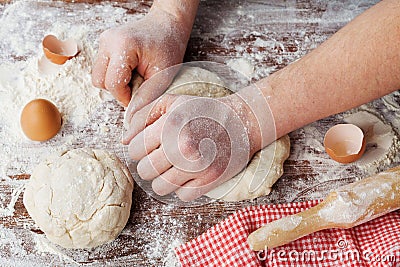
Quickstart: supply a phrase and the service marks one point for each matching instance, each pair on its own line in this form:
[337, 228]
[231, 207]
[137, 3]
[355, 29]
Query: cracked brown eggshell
[80, 198]
[344, 143]
[58, 51]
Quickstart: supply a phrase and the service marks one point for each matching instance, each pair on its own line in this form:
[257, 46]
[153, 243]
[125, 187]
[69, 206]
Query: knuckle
[188, 147]
[111, 85]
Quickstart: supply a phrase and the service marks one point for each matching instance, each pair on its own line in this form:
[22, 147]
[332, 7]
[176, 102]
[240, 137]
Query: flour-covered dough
[80, 198]
[259, 176]
[197, 82]
[266, 166]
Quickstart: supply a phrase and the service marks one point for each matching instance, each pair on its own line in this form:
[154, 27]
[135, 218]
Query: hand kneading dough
[80, 198]
[266, 166]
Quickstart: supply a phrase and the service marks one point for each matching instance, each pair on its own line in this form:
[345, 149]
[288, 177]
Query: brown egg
[58, 51]
[40, 120]
[344, 143]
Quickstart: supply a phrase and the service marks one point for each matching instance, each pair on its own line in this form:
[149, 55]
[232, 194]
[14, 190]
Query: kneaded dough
[196, 81]
[265, 168]
[80, 198]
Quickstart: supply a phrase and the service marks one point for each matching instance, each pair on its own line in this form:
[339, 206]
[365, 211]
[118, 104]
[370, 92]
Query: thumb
[155, 85]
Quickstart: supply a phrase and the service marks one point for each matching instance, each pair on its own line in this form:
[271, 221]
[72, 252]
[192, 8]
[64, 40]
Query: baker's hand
[148, 45]
[189, 145]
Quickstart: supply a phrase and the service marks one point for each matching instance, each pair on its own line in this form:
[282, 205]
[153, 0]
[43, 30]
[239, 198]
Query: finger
[146, 141]
[193, 189]
[147, 115]
[153, 165]
[99, 69]
[170, 181]
[138, 124]
[155, 85]
[118, 76]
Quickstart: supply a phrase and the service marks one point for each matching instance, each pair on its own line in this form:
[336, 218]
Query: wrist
[183, 13]
[242, 108]
[252, 107]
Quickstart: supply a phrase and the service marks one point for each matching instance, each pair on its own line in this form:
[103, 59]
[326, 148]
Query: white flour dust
[7, 206]
[90, 118]
[70, 89]
[44, 246]
[356, 202]
[164, 239]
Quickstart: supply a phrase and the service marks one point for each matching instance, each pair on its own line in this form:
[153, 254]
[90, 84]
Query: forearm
[359, 63]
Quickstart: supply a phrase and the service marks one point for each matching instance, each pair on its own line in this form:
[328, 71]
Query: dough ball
[264, 169]
[80, 198]
[196, 81]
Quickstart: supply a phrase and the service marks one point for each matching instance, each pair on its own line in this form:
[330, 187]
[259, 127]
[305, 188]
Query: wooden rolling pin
[346, 207]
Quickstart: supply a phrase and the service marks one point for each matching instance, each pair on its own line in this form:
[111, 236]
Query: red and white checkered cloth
[375, 243]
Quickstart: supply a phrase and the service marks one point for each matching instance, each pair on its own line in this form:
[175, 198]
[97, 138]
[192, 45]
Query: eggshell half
[344, 143]
[40, 120]
[58, 51]
[46, 67]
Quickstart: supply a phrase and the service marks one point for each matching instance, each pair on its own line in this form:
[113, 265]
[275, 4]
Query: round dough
[80, 198]
[265, 168]
[197, 82]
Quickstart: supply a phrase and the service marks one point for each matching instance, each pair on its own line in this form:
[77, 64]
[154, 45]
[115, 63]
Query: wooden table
[269, 34]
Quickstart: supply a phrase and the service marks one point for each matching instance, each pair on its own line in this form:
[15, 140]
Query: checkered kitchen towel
[375, 243]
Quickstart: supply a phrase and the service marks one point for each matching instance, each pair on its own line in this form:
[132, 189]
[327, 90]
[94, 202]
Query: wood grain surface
[269, 34]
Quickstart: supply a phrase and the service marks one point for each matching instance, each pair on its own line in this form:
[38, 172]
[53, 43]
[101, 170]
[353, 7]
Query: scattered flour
[84, 108]
[242, 65]
[15, 243]
[44, 246]
[8, 209]
[163, 245]
[170, 259]
[322, 174]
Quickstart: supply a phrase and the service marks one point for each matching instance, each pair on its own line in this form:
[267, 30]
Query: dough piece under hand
[80, 198]
[265, 168]
[196, 81]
